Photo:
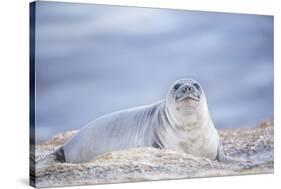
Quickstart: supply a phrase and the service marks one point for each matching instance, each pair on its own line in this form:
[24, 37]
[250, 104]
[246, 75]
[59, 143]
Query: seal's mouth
[187, 97]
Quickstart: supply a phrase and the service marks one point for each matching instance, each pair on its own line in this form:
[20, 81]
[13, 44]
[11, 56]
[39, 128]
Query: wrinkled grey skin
[179, 122]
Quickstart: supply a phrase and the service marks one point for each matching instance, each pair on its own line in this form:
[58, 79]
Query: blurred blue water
[95, 59]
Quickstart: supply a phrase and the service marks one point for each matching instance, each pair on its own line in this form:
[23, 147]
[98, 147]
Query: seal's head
[185, 97]
[186, 91]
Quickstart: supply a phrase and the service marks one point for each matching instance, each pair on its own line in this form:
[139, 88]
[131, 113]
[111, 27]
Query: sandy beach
[255, 145]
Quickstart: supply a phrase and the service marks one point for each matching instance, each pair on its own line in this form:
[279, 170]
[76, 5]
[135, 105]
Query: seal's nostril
[187, 89]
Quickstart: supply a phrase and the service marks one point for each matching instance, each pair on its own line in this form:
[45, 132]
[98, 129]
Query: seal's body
[179, 122]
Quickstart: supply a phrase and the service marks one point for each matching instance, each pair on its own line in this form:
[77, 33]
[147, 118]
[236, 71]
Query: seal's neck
[188, 120]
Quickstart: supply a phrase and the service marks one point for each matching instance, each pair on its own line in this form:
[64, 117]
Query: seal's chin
[188, 97]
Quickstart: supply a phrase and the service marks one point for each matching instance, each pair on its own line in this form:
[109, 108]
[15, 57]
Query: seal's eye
[177, 86]
[197, 86]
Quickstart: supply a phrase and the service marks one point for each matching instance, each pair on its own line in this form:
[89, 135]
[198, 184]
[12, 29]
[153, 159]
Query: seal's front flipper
[221, 154]
[222, 157]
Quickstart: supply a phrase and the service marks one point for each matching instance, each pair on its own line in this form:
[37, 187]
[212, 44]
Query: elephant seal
[179, 122]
